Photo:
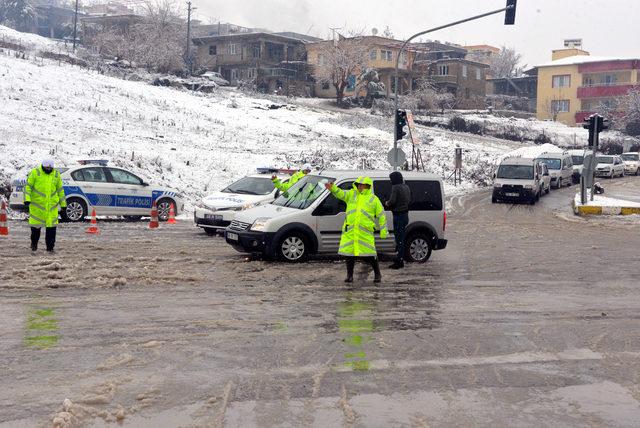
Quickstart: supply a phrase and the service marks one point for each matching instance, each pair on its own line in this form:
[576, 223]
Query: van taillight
[444, 221]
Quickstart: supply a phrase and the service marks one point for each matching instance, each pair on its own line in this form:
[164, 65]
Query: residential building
[92, 25]
[271, 61]
[54, 21]
[465, 79]
[382, 54]
[482, 53]
[524, 87]
[575, 85]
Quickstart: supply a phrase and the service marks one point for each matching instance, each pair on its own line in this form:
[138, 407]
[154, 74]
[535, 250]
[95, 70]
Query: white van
[308, 219]
[560, 168]
[577, 159]
[216, 211]
[518, 179]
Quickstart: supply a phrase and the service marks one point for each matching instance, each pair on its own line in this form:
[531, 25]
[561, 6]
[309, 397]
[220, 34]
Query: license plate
[512, 194]
[232, 236]
[214, 217]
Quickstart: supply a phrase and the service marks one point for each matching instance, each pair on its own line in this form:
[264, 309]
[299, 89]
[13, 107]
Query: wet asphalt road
[529, 318]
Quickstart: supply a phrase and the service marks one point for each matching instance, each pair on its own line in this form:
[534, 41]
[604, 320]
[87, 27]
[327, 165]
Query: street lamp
[510, 15]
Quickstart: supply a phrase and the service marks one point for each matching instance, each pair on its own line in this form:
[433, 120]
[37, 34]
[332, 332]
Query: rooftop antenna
[374, 31]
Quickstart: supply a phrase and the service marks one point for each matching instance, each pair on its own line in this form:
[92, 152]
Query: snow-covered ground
[605, 201]
[199, 142]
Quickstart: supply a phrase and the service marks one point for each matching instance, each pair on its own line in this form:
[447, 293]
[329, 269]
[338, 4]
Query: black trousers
[49, 238]
[351, 264]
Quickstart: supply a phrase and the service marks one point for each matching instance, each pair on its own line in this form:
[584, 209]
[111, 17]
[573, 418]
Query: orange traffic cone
[93, 228]
[4, 230]
[154, 224]
[172, 215]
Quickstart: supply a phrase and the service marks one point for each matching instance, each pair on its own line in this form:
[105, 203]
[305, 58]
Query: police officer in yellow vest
[364, 215]
[44, 196]
[283, 187]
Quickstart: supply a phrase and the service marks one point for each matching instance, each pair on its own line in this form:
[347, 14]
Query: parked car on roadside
[518, 179]
[609, 166]
[216, 211]
[308, 219]
[111, 191]
[631, 162]
[215, 77]
[560, 168]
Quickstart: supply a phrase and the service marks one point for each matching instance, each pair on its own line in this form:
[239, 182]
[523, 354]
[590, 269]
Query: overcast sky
[607, 27]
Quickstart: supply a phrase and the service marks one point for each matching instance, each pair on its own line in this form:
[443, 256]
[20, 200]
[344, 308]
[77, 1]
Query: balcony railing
[601, 91]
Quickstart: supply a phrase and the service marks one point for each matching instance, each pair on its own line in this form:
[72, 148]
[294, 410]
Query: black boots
[398, 264]
[351, 263]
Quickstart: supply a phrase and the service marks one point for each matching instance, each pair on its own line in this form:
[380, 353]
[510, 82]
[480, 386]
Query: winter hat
[47, 163]
[396, 177]
[306, 167]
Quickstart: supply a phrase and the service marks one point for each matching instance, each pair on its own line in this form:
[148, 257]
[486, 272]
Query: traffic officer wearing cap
[283, 187]
[364, 215]
[44, 196]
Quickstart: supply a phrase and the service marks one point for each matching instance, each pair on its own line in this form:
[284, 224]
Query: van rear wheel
[418, 248]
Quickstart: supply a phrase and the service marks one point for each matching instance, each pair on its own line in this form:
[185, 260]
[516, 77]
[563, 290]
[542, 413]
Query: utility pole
[75, 26]
[189, 61]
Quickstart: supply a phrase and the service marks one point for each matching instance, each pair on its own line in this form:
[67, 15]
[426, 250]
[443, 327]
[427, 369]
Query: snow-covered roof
[585, 59]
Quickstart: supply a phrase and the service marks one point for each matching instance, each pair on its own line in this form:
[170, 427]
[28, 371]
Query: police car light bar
[101, 162]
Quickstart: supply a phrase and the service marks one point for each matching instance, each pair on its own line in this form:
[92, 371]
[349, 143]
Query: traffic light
[401, 122]
[510, 14]
[595, 124]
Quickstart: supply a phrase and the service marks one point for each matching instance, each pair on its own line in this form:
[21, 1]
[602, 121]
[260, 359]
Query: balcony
[605, 90]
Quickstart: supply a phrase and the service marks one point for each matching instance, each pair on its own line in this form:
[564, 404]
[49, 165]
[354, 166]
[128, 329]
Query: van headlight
[498, 185]
[259, 225]
[528, 186]
[248, 206]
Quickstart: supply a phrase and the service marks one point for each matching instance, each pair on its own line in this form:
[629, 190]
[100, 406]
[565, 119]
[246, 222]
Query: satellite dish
[374, 31]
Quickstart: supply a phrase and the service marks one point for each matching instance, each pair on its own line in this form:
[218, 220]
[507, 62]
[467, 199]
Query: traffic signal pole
[510, 8]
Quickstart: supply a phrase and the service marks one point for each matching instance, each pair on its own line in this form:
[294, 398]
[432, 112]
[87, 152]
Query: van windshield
[552, 163]
[515, 172]
[251, 186]
[577, 160]
[630, 157]
[302, 194]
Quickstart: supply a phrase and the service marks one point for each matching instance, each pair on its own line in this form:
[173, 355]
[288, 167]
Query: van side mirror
[144, 184]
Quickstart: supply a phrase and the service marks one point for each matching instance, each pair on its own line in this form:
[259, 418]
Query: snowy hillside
[191, 141]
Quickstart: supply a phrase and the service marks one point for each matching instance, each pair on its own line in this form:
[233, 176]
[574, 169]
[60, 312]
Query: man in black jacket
[398, 203]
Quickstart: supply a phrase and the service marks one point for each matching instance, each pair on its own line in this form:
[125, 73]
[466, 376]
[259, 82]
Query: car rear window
[425, 195]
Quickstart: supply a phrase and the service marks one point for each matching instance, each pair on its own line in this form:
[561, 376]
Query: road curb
[598, 210]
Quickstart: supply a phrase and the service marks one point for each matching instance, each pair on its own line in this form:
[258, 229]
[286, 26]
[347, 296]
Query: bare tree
[19, 14]
[341, 60]
[629, 108]
[505, 63]
[387, 33]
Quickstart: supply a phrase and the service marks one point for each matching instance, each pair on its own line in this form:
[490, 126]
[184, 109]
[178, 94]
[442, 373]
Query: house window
[213, 50]
[325, 86]
[386, 55]
[251, 73]
[403, 57]
[234, 74]
[464, 71]
[256, 51]
[443, 70]
[478, 74]
[233, 49]
[321, 60]
[560, 106]
[373, 54]
[609, 79]
[561, 81]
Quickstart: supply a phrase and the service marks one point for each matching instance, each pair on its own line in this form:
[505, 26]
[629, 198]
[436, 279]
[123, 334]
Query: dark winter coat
[400, 197]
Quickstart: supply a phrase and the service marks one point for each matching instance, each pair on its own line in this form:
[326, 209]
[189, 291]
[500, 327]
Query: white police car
[216, 211]
[110, 190]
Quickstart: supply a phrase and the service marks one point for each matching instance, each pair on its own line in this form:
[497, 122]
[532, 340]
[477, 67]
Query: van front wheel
[293, 248]
[418, 248]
